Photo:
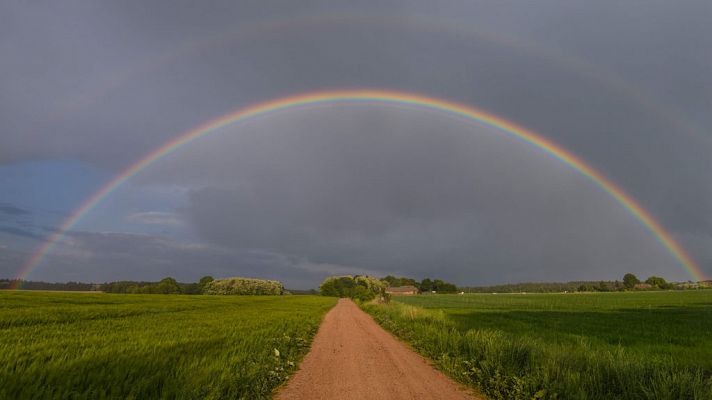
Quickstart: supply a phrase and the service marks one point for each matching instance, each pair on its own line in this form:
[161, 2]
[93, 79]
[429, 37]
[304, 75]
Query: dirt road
[354, 358]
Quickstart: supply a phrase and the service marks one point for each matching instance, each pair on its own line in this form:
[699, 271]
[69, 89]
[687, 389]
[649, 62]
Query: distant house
[402, 290]
[705, 283]
[642, 286]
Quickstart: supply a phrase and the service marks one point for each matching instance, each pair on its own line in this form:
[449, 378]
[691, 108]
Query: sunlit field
[629, 345]
[93, 346]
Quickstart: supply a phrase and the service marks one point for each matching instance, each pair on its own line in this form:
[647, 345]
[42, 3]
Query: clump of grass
[94, 346]
[524, 358]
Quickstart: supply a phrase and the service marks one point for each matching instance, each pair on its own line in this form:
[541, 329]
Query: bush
[244, 286]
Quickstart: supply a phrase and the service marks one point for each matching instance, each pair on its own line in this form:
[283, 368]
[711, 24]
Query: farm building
[402, 290]
[643, 286]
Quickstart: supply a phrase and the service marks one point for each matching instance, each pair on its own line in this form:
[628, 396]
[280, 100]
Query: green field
[629, 345]
[96, 346]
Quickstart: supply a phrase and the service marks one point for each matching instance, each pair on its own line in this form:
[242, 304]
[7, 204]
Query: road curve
[354, 358]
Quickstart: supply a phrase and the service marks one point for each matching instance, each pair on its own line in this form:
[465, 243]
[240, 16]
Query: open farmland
[80, 345]
[630, 345]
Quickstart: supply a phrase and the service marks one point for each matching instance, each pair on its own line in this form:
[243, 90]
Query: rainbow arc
[382, 97]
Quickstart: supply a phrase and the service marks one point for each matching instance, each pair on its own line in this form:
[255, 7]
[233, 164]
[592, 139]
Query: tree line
[164, 286]
[38, 285]
[629, 282]
[350, 288]
[365, 288]
[425, 285]
[358, 287]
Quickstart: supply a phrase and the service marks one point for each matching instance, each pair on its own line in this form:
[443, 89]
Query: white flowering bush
[244, 286]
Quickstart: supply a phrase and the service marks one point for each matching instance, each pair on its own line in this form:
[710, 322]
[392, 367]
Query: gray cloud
[625, 87]
[156, 218]
[11, 210]
[108, 256]
[12, 230]
[406, 192]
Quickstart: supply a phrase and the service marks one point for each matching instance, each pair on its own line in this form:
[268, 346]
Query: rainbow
[385, 97]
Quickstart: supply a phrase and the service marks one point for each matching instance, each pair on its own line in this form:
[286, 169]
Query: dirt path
[354, 358]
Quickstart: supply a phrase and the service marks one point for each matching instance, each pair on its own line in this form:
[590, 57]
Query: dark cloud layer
[109, 256]
[405, 191]
[628, 88]
[9, 209]
[20, 232]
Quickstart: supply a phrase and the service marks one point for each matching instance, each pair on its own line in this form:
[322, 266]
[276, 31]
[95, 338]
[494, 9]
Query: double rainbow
[385, 97]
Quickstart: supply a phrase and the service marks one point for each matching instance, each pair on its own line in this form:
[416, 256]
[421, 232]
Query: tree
[441, 286]
[190, 288]
[426, 285]
[361, 293]
[630, 280]
[358, 287]
[408, 282]
[166, 286]
[617, 286]
[390, 280]
[204, 281]
[656, 281]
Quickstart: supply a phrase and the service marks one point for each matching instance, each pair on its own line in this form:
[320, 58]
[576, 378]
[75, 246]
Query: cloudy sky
[90, 88]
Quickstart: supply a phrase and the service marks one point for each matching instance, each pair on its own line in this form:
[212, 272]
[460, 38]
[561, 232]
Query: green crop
[101, 346]
[629, 345]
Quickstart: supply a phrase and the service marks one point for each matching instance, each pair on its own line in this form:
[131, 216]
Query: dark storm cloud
[9, 209]
[156, 218]
[406, 192]
[108, 256]
[624, 86]
[21, 232]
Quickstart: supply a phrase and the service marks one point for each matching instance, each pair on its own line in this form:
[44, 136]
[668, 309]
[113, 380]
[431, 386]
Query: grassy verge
[97, 346]
[601, 346]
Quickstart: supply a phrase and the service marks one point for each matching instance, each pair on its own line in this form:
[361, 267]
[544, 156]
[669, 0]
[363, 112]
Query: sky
[88, 89]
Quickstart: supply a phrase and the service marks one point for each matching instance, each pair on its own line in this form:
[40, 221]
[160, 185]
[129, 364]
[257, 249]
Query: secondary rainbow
[385, 97]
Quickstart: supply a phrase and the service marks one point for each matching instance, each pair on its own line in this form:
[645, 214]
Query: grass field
[96, 346]
[630, 345]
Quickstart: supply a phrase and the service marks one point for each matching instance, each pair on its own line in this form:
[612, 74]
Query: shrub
[244, 286]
